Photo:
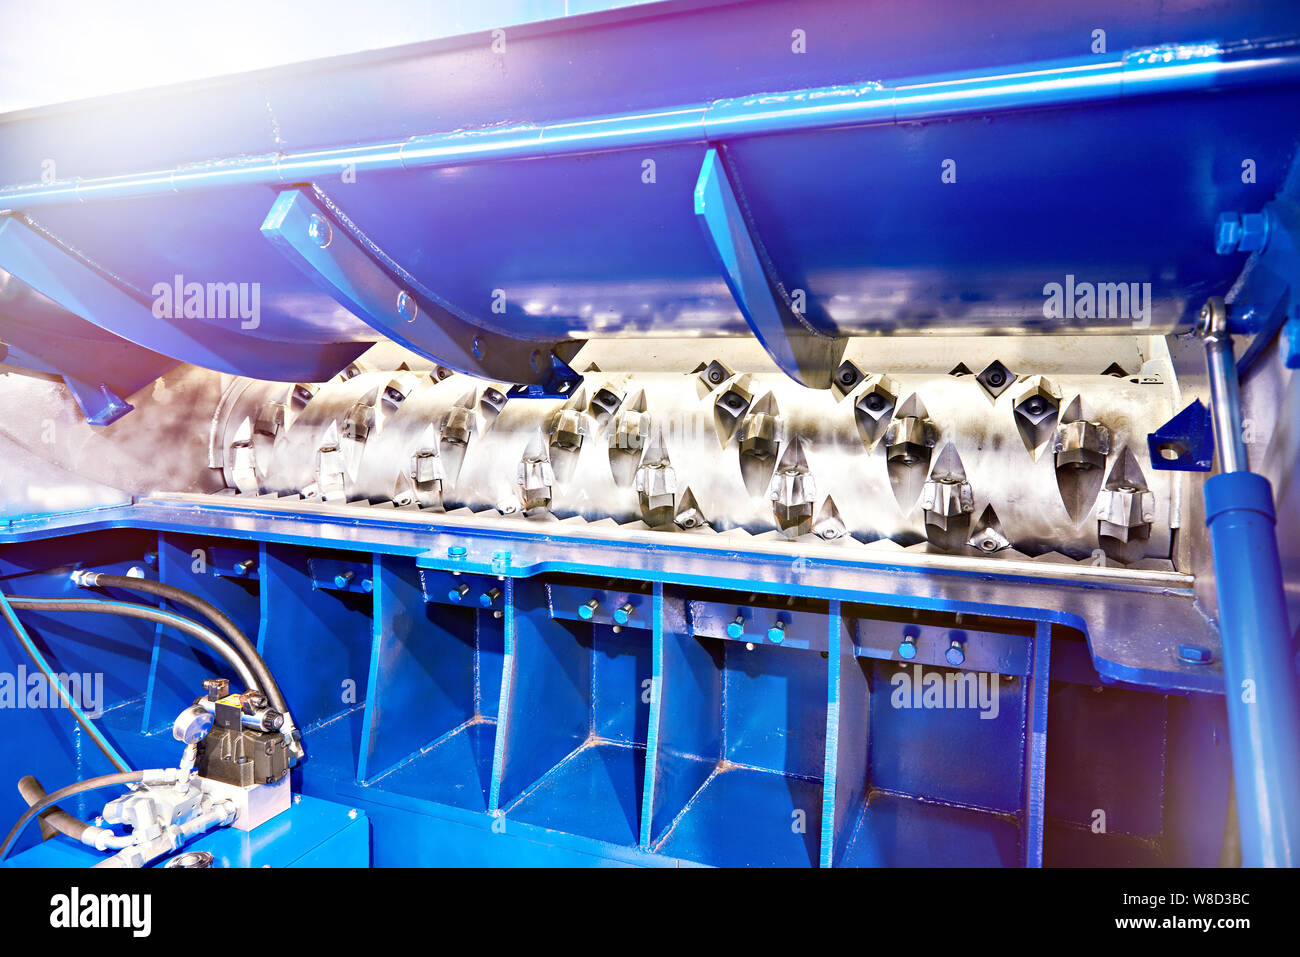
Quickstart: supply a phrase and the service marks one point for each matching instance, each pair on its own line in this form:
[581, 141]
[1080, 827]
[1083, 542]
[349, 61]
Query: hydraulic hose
[128, 610]
[80, 787]
[82, 719]
[53, 817]
[247, 650]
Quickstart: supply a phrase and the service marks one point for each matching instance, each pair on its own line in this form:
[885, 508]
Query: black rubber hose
[246, 649]
[90, 784]
[127, 609]
[52, 818]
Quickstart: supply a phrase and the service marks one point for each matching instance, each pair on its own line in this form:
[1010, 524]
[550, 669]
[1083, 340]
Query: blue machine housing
[550, 695]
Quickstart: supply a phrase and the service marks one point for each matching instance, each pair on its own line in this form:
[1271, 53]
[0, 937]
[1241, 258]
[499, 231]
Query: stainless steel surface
[1044, 463]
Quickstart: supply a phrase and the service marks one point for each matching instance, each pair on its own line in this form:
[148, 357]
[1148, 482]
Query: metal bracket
[314, 239]
[75, 284]
[1266, 297]
[99, 404]
[1185, 443]
[801, 351]
[559, 383]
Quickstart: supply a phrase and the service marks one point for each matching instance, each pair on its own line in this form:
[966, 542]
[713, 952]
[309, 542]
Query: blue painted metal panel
[897, 831]
[323, 674]
[848, 743]
[585, 182]
[687, 721]
[548, 669]
[422, 670]
[974, 753]
[86, 289]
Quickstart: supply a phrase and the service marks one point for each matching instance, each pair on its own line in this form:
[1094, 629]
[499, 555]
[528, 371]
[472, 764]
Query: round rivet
[406, 306]
[319, 230]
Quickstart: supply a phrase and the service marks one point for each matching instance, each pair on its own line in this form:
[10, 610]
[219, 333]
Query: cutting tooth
[1125, 510]
[873, 409]
[909, 443]
[793, 492]
[627, 438]
[604, 403]
[535, 477]
[1036, 410]
[1080, 448]
[947, 501]
[987, 536]
[656, 485]
[759, 439]
[425, 475]
[331, 468]
[689, 514]
[241, 462]
[730, 406]
[491, 402]
[828, 525]
[458, 428]
[996, 379]
[568, 427]
[847, 378]
[711, 375]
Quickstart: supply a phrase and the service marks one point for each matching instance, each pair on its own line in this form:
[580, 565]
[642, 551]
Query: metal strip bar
[380, 618]
[78, 287]
[314, 239]
[656, 710]
[503, 708]
[1034, 814]
[834, 638]
[797, 348]
[1173, 68]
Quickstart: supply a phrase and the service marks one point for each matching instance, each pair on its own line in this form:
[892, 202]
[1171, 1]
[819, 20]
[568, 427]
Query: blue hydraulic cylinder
[1260, 672]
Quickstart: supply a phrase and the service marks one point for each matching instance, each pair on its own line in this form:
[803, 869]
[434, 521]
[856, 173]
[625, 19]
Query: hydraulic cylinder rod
[1259, 670]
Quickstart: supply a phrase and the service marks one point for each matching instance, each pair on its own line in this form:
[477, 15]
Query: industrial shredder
[826, 434]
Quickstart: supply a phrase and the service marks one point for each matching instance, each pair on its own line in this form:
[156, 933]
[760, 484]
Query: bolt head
[735, 629]
[776, 634]
[907, 649]
[1227, 234]
[955, 655]
[1195, 654]
[457, 551]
